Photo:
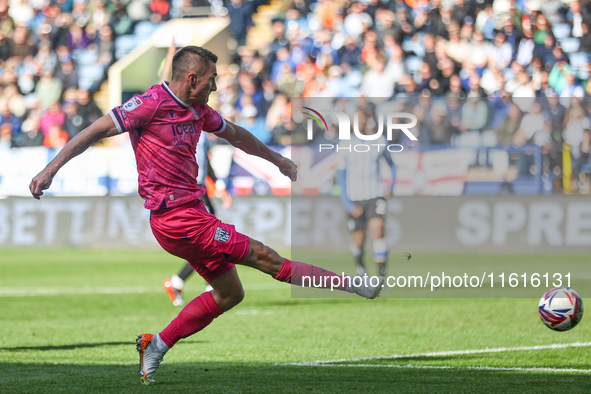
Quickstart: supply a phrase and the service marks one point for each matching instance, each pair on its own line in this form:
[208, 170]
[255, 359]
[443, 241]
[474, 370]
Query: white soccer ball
[561, 308]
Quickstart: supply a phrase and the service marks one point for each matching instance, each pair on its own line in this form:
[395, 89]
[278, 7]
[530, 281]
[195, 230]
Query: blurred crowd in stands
[458, 65]
[470, 57]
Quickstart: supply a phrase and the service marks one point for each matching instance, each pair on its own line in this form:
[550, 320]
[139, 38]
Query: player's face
[204, 85]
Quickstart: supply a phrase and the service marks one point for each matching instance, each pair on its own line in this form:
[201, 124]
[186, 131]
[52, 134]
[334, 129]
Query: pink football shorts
[195, 235]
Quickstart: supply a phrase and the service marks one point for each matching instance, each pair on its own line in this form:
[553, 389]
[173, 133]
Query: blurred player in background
[164, 126]
[363, 193]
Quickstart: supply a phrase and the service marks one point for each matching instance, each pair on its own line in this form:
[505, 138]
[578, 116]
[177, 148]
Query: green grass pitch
[69, 318]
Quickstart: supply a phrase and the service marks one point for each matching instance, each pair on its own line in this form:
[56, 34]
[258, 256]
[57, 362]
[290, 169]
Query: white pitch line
[53, 291]
[446, 353]
[57, 291]
[480, 368]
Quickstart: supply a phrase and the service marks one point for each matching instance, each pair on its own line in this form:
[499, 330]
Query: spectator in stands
[254, 123]
[160, 10]
[48, 89]
[376, 82]
[73, 122]
[542, 29]
[350, 53]
[276, 113]
[474, 115]
[31, 133]
[14, 100]
[240, 12]
[6, 21]
[577, 18]
[357, 21]
[20, 45]
[531, 123]
[576, 124]
[55, 137]
[77, 37]
[509, 126]
[512, 34]
[54, 116]
[439, 126]
[12, 120]
[479, 51]
[68, 74]
[585, 40]
[571, 89]
[582, 162]
[501, 52]
[396, 67]
[557, 77]
[106, 46]
[280, 41]
[46, 59]
[87, 108]
[525, 50]
[283, 58]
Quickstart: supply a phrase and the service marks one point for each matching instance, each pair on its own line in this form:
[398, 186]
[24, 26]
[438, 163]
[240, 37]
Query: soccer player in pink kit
[164, 125]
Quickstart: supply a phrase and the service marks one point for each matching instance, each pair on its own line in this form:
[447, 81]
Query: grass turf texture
[79, 336]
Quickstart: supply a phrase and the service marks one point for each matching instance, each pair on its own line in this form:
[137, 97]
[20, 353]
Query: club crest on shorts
[221, 235]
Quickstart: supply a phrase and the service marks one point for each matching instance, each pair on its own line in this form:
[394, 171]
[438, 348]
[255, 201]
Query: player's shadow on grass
[78, 346]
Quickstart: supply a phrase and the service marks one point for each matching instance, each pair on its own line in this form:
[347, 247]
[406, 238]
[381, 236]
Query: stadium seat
[468, 139]
[489, 138]
[414, 44]
[90, 76]
[561, 31]
[124, 44]
[86, 58]
[578, 60]
[570, 45]
[144, 29]
[414, 64]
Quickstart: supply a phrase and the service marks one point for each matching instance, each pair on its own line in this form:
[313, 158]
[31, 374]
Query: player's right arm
[101, 128]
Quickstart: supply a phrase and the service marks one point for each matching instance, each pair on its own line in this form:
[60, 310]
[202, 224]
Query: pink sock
[293, 271]
[193, 318]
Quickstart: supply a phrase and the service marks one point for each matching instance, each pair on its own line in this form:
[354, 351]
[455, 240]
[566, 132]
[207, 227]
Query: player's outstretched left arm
[101, 128]
[242, 139]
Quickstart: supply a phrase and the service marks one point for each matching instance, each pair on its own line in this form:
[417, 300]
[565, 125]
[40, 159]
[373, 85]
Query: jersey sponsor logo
[183, 128]
[221, 235]
[123, 113]
[132, 104]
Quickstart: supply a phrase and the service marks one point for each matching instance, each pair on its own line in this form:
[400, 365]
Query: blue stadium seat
[144, 29]
[85, 57]
[416, 45]
[90, 76]
[414, 64]
[578, 60]
[124, 44]
[570, 45]
[561, 31]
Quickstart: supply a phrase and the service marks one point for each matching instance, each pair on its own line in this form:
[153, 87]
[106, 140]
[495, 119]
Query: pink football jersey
[164, 132]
